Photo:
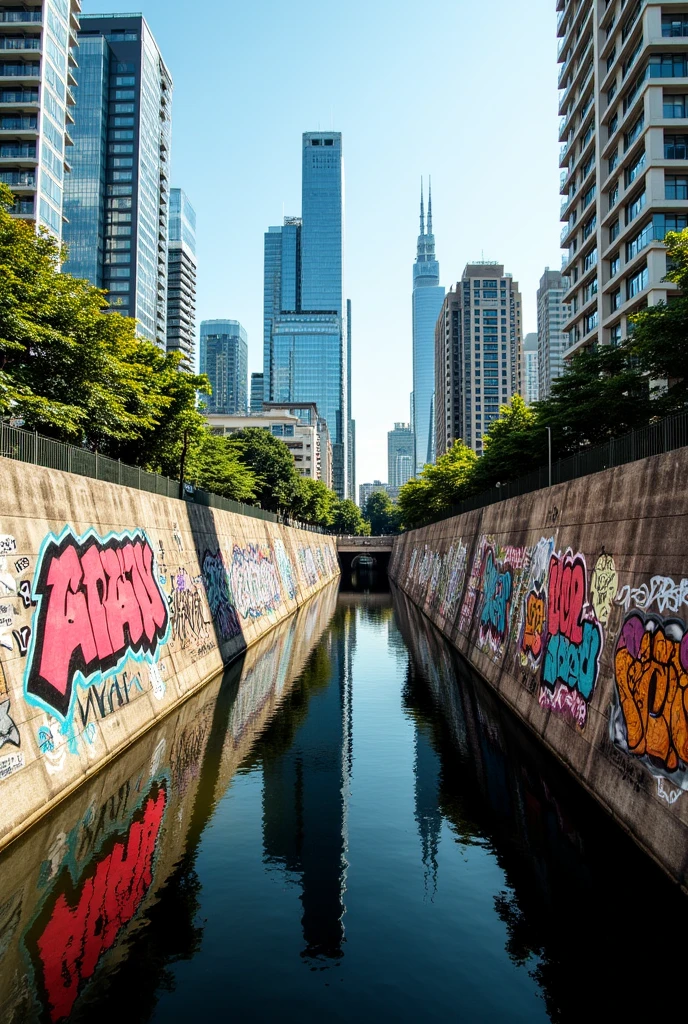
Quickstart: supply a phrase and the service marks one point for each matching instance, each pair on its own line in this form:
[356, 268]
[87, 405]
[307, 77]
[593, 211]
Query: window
[614, 264]
[638, 243]
[635, 169]
[675, 186]
[613, 194]
[590, 322]
[675, 24]
[665, 222]
[125, 94]
[616, 299]
[613, 125]
[590, 290]
[613, 160]
[121, 147]
[119, 36]
[611, 58]
[124, 108]
[635, 206]
[122, 133]
[120, 271]
[122, 161]
[613, 231]
[591, 259]
[636, 283]
[667, 65]
[674, 106]
[125, 80]
[611, 93]
[277, 430]
[119, 286]
[628, 64]
[124, 69]
[634, 133]
[589, 196]
[123, 122]
[634, 90]
[589, 226]
[675, 147]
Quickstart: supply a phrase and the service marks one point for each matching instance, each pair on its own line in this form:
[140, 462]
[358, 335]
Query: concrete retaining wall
[115, 606]
[573, 604]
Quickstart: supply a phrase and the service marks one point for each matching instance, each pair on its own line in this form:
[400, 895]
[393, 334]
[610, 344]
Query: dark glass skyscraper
[224, 358]
[306, 337]
[117, 196]
[181, 279]
[428, 296]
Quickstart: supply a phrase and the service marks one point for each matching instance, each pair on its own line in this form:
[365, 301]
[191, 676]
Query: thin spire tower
[429, 206]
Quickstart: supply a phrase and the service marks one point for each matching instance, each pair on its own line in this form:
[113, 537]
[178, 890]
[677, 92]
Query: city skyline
[383, 166]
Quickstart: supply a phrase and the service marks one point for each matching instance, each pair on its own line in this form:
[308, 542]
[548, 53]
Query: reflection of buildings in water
[426, 771]
[306, 774]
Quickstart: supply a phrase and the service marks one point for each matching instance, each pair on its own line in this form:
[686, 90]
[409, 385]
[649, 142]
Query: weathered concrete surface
[572, 603]
[115, 606]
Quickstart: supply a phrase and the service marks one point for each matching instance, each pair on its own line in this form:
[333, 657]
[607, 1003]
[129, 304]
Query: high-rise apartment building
[428, 296]
[400, 453]
[351, 476]
[531, 380]
[552, 314]
[181, 279]
[117, 196]
[448, 408]
[624, 159]
[480, 337]
[365, 491]
[224, 359]
[37, 62]
[256, 398]
[306, 337]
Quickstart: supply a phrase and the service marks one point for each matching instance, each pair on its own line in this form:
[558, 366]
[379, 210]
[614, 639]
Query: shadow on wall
[496, 786]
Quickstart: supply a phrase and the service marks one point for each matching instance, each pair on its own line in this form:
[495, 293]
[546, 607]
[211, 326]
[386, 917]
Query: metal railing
[657, 438]
[30, 446]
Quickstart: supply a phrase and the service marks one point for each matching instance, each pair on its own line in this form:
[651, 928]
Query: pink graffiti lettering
[98, 601]
[566, 702]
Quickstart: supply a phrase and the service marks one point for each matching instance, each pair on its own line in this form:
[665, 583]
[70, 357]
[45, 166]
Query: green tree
[215, 465]
[314, 502]
[415, 503]
[348, 520]
[659, 339]
[511, 447]
[277, 484]
[381, 514]
[429, 497]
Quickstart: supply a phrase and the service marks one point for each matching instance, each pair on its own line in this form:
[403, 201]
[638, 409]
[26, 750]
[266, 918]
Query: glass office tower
[117, 197]
[306, 338]
[224, 358]
[428, 297]
[181, 279]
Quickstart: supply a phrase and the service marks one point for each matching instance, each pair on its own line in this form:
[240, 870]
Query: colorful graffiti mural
[254, 581]
[649, 716]
[98, 603]
[216, 580]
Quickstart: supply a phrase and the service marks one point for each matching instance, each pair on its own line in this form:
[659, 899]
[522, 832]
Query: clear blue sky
[464, 91]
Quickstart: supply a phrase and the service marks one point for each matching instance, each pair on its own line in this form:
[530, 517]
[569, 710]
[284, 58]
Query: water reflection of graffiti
[254, 581]
[79, 923]
[222, 609]
[649, 718]
[98, 603]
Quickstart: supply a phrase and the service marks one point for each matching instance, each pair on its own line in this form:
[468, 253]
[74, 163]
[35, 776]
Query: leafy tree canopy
[382, 515]
[348, 520]
[277, 482]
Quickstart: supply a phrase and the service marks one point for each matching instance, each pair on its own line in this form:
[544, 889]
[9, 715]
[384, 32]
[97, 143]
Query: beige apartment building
[478, 355]
[307, 438]
[624, 158]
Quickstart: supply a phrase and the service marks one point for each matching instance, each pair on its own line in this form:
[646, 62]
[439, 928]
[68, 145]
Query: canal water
[347, 826]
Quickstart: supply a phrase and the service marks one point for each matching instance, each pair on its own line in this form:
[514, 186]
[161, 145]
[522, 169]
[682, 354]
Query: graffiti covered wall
[115, 606]
[573, 603]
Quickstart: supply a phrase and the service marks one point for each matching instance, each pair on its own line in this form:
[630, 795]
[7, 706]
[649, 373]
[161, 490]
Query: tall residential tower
[400, 454]
[428, 296]
[224, 358]
[306, 336]
[117, 196]
[181, 279]
[37, 62]
[624, 158]
[552, 341]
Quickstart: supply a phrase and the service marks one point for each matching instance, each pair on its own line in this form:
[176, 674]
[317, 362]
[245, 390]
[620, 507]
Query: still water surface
[347, 826]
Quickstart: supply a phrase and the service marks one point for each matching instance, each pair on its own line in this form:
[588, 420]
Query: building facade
[484, 348]
[365, 490]
[552, 314]
[531, 378]
[624, 158]
[224, 359]
[303, 438]
[400, 454]
[181, 279]
[117, 196]
[256, 398]
[38, 43]
[447, 378]
[427, 299]
[308, 416]
[306, 339]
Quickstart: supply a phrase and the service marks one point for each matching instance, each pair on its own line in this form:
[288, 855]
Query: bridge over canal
[357, 552]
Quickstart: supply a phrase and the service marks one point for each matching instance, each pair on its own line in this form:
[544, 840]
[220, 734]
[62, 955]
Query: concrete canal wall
[115, 606]
[572, 603]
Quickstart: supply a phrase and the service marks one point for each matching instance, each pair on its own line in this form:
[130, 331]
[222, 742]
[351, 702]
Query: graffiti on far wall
[216, 579]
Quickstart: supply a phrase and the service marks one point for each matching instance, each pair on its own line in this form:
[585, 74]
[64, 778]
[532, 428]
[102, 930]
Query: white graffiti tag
[661, 590]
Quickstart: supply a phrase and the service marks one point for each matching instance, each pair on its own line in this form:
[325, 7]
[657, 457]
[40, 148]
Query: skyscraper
[224, 358]
[530, 368]
[400, 454]
[305, 333]
[256, 393]
[552, 341]
[36, 105]
[428, 296]
[480, 337]
[624, 158]
[181, 279]
[117, 197]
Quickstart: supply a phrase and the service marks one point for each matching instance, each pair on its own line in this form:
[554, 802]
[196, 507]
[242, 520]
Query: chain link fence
[29, 446]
